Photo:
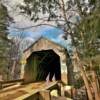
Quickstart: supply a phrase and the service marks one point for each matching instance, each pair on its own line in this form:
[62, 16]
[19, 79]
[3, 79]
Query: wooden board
[25, 91]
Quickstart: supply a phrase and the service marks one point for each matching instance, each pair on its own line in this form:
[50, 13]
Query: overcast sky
[20, 20]
[23, 21]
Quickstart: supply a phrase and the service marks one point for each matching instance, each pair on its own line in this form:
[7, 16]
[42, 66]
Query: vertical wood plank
[44, 95]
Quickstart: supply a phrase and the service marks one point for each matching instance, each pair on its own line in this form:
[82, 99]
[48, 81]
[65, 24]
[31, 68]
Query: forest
[79, 20]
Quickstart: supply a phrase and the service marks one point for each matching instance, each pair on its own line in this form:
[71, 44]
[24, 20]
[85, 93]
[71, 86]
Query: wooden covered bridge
[43, 69]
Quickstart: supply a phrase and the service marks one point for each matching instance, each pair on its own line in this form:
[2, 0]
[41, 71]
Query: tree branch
[35, 26]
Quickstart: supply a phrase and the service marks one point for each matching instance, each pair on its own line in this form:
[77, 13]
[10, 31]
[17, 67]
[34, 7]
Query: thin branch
[35, 26]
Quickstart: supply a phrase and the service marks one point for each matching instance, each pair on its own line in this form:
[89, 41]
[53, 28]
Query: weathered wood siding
[44, 44]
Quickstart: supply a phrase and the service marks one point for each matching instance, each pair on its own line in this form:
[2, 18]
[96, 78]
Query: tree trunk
[77, 55]
[95, 83]
[95, 87]
[84, 77]
[13, 69]
[71, 80]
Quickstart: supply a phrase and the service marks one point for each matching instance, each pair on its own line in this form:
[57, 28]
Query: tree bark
[84, 77]
[71, 80]
[13, 69]
[95, 83]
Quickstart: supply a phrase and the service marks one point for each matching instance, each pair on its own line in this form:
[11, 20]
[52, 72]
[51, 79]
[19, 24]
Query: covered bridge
[46, 59]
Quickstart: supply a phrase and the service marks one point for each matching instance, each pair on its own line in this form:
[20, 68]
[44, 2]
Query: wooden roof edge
[32, 44]
[43, 38]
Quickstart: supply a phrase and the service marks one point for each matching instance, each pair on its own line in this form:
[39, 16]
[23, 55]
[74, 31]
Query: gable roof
[41, 38]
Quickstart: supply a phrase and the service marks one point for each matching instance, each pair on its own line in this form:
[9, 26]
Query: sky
[19, 19]
[32, 34]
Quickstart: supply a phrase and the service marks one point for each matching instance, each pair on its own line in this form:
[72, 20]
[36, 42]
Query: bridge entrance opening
[43, 64]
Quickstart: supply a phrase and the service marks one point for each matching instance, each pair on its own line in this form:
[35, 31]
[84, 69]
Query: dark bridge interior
[40, 64]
